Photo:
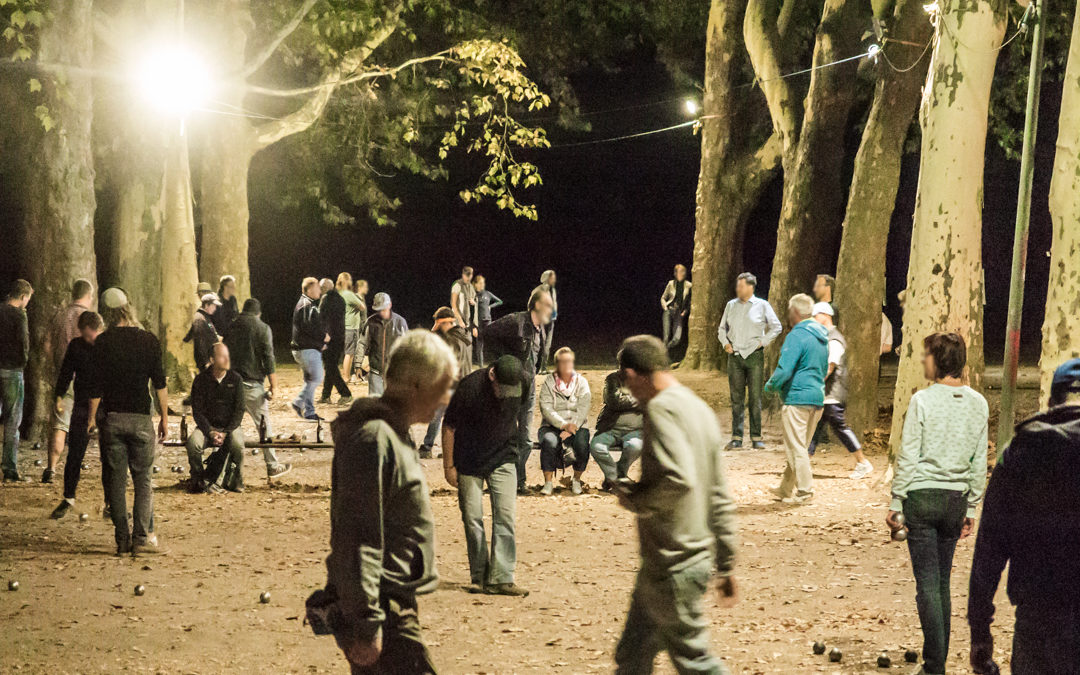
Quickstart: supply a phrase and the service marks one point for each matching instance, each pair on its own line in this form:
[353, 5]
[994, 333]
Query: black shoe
[425, 452]
[523, 490]
[15, 478]
[734, 445]
[607, 486]
[61, 510]
[325, 400]
[47, 476]
[123, 549]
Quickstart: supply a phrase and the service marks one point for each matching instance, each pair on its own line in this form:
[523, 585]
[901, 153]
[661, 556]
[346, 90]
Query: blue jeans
[666, 615]
[310, 361]
[631, 444]
[12, 393]
[496, 567]
[128, 442]
[745, 380]
[525, 416]
[934, 518]
[376, 384]
[551, 449]
[433, 427]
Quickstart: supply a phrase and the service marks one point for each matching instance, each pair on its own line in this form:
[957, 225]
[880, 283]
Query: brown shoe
[506, 589]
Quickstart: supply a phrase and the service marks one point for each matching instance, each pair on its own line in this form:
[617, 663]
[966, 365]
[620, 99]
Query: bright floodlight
[691, 106]
[173, 80]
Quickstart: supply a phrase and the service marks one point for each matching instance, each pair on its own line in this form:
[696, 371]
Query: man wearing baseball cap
[1031, 520]
[383, 329]
[480, 445]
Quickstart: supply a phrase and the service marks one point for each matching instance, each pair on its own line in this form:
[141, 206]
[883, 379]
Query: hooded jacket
[461, 343]
[1031, 520]
[381, 529]
[560, 407]
[621, 412]
[804, 361]
[307, 328]
[379, 336]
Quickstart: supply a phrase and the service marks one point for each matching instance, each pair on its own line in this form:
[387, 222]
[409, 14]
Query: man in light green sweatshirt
[686, 518]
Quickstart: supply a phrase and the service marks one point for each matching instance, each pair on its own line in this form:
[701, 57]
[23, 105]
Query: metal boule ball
[85, 466]
[911, 656]
[140, 590]
[13, 585]
[883, 661]
[819, 647]
[835, 655]
[157, 468]
[264, 597]
[899, 519]
[37, 446]
[37, 462]
[83, 517]
[254, 451]
[899, 535]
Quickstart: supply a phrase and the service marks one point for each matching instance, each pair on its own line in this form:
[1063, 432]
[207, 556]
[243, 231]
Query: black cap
[508, 375]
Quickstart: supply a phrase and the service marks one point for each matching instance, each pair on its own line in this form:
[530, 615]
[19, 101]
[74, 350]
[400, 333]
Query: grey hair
[546, 275]
[418, 359]
[326, 285]
[801, 303]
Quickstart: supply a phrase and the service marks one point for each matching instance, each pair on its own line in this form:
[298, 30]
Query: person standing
[836, 394]
[522, 335]
[479, 446]
[203, 335]
[217, 407]
[748, 326]
[355, 312]
[14, 353]
[332, 310]
[685, 519]
[939, 482]
[1029, 522]
[485, 302]
[125, 360]
[676, 305]
[360, 290]
[824, 287]
[547, 283]
[564, 410]
[458, 340]
[230, 306]
[463, 301]
[618, 426]
[382, 549]
[309, 338]
[383, 329]
[63, 329]
[251, 348]
[800, 380]
[76, 366]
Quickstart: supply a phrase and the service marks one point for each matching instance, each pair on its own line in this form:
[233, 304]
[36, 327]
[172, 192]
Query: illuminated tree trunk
[59, 207]
[814, 191]
[860, 270]
[945, 273]
[1061, 327]
[731, 179]
[180, 274]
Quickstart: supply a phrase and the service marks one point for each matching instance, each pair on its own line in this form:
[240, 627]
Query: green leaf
[35, 84]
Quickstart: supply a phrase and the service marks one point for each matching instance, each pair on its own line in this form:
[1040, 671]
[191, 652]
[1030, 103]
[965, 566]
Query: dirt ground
[826, 571]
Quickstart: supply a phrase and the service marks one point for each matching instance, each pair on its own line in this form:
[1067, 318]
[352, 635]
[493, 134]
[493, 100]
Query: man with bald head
[217, 406]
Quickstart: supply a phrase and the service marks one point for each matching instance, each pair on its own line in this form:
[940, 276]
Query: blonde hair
[344, 281]
[563, 351]
[307, 283]
[418, 360]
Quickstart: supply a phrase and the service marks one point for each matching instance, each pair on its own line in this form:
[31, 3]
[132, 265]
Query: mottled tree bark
[733, 174]
[59, 190]
[1061, 327]
[814, 193]
[180, 272]
[860, 270]
[945, 273]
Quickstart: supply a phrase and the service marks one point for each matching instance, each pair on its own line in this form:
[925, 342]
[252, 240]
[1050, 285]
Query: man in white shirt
[748, 326]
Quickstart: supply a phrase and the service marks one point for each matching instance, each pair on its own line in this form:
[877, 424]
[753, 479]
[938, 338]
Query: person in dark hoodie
[309, 338]
[800, 379]
[381, 530]
[203, 335]
[217, 406]
[230, 306]
[383, 329]
[332, 312]
[461, 344]
[619, 425]
[1031, 520]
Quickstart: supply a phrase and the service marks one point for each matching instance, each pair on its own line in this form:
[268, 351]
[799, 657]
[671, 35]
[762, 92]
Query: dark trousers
[403, 648]
[934, 518]
[78, 438]
[525, 417]
[746, 375]
[331, 357]
[673, 327]
[1046, 641]
[833, 416]
[128, 444]
[552, 449]
[478, 344]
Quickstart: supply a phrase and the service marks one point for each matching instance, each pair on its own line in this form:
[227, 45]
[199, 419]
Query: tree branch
[272, 132]
[763, 45]
[269, 48]
[380, 71]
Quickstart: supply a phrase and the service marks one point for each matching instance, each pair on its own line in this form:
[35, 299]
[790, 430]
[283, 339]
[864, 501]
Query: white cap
[822, 308]
[211, 297]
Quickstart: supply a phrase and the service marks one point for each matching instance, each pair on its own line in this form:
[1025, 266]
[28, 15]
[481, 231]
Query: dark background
[614, 219]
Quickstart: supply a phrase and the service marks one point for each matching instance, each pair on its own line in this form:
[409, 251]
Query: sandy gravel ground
[826, 571]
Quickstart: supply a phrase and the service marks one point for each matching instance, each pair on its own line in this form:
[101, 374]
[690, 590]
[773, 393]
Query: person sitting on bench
[217, 406]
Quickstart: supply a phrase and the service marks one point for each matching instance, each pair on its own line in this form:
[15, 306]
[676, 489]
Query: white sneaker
[798, 499]
[548, 489]
[862, 470]
[575, 486]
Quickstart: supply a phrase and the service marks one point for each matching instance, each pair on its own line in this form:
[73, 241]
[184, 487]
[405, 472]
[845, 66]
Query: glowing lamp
[691, 106]
[173, 80]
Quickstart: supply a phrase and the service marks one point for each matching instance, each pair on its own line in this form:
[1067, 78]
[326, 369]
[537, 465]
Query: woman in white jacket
[564, 405]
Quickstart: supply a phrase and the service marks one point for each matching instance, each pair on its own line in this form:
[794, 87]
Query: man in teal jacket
[800, 379]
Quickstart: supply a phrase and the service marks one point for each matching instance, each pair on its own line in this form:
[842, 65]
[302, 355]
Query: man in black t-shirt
[125, 359]
[480, 444]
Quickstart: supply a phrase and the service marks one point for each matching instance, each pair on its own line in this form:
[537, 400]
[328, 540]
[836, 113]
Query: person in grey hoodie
[686, 518]
[564, 406]
[381, 529]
